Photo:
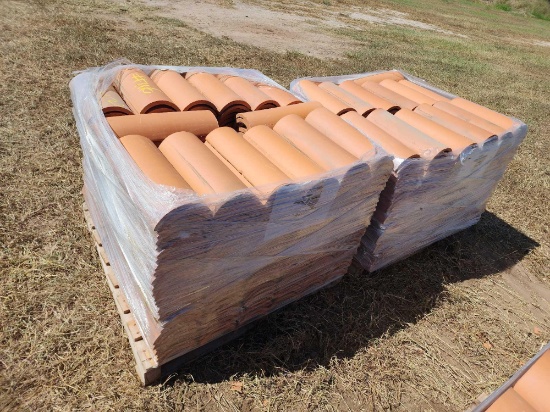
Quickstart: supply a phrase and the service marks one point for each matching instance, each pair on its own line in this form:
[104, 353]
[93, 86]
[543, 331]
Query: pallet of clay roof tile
[147, 368]
[449, 155]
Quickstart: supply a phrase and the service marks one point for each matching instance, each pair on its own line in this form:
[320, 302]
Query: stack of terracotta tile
[526, 390]
[206, 228]
[449, 155]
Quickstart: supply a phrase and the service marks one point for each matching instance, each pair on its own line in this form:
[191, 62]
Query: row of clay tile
[134, 92]
[425, 123]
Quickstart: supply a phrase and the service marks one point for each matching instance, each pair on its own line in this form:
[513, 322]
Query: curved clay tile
[389, 95]
[361, 106]
[271, 116]
[363, 94]
[152, 162]
[248, 161]
[494, 117]
[510, 401]
[281, 153]
[200, 168]
[180, 91]
[141, 94]
[340, 132]
[408, 135]
[314, 93]
[471, 131]
[257, 99]
[313, 143]
[380, 76]
[407, 92]
[112, 104]
[281, 96]
[455, 141]
[469, 117]
[433, 95]
[156, 126]
[391, 145]
[534, 384]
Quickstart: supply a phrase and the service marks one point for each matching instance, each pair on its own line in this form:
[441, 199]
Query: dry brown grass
[410, 337]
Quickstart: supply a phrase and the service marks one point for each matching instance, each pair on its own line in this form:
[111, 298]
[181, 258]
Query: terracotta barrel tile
[534, 385]
[494, 117]
[281, 153]
[141, 94]
[433, 95]
[200, 168]
[340, 132]
[256, 99]
[363, 94]
[455, 141]
[281, 96]
[361, 106]
[377, 135]
[313, 143]
[152, 162]
[390, 95]
[510, 401]
[271, 116]
[408, 135]
[180, 91]
[407, 92]
[380, 76]
[469, 117]
[315, 93]
[156, 126]
[460, 126]
[112, 104]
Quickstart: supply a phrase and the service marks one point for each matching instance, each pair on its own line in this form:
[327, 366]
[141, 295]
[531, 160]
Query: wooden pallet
[148, 370]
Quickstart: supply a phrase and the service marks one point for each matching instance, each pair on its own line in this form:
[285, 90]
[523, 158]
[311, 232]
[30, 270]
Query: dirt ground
[430, 333]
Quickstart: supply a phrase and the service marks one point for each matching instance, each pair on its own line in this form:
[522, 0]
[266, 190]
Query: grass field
[430, 333]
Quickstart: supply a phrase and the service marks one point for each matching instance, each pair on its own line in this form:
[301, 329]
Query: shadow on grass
[339, 321]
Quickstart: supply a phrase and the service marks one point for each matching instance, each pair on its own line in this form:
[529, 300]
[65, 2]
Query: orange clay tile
[315, 93]
[215, 91]
[180, 91]
[248, 161]
[407, 92]
[152, 162]
[340, 132]
[257, 99]
[361, 106]
[389, 95]
[141, 94]
[313, 143]
[156, 126]
[281, 96]
[200, 168]
[112, 104]
[363, 94]
[433, 95]
[281, 153]
[455, 141]
[377, 135]
[469, 117]
[271, 116]
[380, 76]
[499, 119]
[534, 385]
[510, 401]
[471, 131]
[408, 135]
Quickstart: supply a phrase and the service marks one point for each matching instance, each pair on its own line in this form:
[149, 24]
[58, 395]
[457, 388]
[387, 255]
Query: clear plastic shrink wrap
[428, 200]
[194, 268]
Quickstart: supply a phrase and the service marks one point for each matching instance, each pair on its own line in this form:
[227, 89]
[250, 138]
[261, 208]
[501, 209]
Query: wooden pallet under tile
[148, 370]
